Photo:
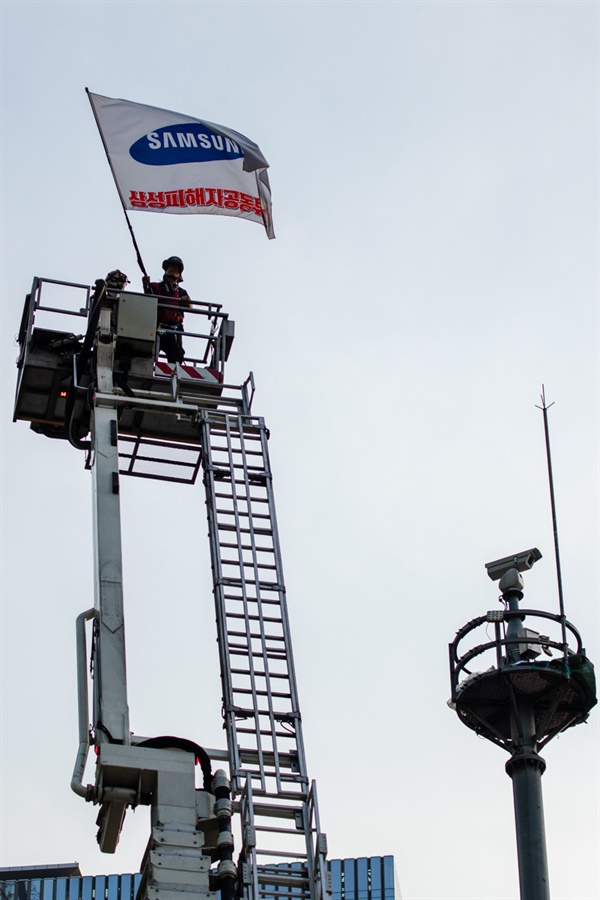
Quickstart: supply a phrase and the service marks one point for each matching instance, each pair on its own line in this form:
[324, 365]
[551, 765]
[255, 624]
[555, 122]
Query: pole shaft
[525, 768]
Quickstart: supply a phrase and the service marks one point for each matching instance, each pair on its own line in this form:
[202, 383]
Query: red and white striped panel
[187, 373]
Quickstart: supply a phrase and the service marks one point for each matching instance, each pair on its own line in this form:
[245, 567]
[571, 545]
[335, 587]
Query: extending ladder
[283, 849]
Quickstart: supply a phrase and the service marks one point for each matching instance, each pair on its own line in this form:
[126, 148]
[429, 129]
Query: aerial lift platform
[109, 393]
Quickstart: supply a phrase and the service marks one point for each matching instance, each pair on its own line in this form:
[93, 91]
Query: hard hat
[173, 261]
[117, 279]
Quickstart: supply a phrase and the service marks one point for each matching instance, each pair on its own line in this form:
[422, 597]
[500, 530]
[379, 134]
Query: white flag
[165, 162]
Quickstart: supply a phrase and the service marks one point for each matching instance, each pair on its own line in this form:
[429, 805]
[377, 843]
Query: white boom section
[111, 714]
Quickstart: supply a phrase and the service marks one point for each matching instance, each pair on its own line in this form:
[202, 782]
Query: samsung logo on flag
[176, 144]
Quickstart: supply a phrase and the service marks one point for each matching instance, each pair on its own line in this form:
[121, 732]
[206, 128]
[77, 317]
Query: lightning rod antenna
[544, 408]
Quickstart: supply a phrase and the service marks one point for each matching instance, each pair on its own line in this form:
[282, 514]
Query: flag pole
[135, 243]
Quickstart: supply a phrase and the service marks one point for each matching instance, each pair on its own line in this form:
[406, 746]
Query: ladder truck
[110, 394]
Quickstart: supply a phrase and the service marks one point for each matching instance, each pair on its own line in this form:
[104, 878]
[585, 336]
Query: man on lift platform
[170, 308]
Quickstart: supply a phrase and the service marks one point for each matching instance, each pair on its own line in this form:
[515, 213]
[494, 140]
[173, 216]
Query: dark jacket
[176, 297]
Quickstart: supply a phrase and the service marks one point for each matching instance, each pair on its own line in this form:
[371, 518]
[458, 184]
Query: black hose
[169, 742]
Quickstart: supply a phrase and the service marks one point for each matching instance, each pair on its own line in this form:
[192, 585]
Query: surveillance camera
[519, 561]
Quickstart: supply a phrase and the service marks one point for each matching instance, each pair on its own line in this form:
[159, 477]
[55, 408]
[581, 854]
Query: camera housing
[519, 561]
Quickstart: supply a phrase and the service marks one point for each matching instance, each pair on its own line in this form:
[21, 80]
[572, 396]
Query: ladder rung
[255, 602]
[276, 812]
[289, 735]
[269, 650]
[243, 650]
[260, 570]
[251, 757]
[230, 545]
[290, 781]
[258, 674]
[241, 498]
[241, 514]
[271, 829]
[250, 713]
[264, 585]
[253, 478]
[256, 637]
[239, 501]
[247, 429]
[252, 618]
[296, 873]
[262, 532]
[282, 795]
[262, 600]
[231, 462]
[278, 695]
[244, 645]
[241, 646]
[248, 450]
[259, 636]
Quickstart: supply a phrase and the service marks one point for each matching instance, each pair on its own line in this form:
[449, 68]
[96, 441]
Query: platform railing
[458, 664]
[74, 301]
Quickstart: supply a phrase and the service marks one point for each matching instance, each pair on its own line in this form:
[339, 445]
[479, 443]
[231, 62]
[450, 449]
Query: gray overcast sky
[434, 168]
